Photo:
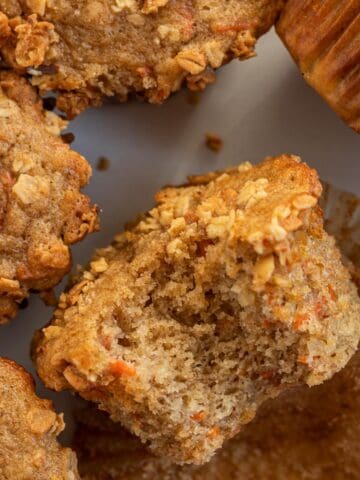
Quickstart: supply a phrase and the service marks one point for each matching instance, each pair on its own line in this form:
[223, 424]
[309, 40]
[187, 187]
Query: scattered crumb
[103, 164]
[68, 137]
[214, 142]
[49, 297]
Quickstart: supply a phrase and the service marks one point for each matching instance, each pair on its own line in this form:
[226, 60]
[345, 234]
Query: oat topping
[29, 430]
[120, 5]
[89, 49]
[192, 61]
[36, 6]
[42, 210]
[223, 295]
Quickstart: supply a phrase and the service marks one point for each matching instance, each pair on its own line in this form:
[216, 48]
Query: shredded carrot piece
[271, 299]
[302, 359]
[214, 432]
[120, 368]
[144, 71]
[332, 293]
[266, 323]
[299, 320]
[185, 11]
[198, 416]
[266, 375]
[187, 22]
[106, 342]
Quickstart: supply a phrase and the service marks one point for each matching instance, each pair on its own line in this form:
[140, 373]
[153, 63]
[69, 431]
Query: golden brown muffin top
[226, 293]
[304, 434]
[29, 427]
[89, 49]
[42, 210]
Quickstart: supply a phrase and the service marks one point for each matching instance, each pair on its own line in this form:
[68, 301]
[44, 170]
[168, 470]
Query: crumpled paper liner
[342, 220]
[323, 38]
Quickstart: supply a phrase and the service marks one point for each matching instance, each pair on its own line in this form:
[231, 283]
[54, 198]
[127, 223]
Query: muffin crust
[29, 427]
[226, 293]
[42, 211]
[89, 49]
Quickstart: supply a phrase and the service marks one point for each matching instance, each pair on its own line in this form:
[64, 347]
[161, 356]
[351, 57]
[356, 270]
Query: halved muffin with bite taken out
[226, 293]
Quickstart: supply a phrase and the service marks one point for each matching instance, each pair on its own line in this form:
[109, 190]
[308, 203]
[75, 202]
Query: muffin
[29, 427]
[305, 433]
[42, 210]
[223, 295]
[90, 49]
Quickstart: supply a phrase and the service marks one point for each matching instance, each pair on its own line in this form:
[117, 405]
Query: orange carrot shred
[214, 432]
[120, 368]
[106, 342]
[332, 293]
[266, 323]
[299, 320]
[198, 416]
[302, 359]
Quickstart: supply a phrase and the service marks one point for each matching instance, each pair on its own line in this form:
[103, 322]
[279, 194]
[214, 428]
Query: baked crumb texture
[304, 434]
[42, 210]
[307, 433]
[29, 427]
[223, 295]
[88, 49]
[214, 142]
[323, 38]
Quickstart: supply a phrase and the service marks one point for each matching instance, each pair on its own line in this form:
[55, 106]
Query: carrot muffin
[42, 210]
[89, 49]
[304, 434]
[29, 427]
[323, 38]
[223, 295]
